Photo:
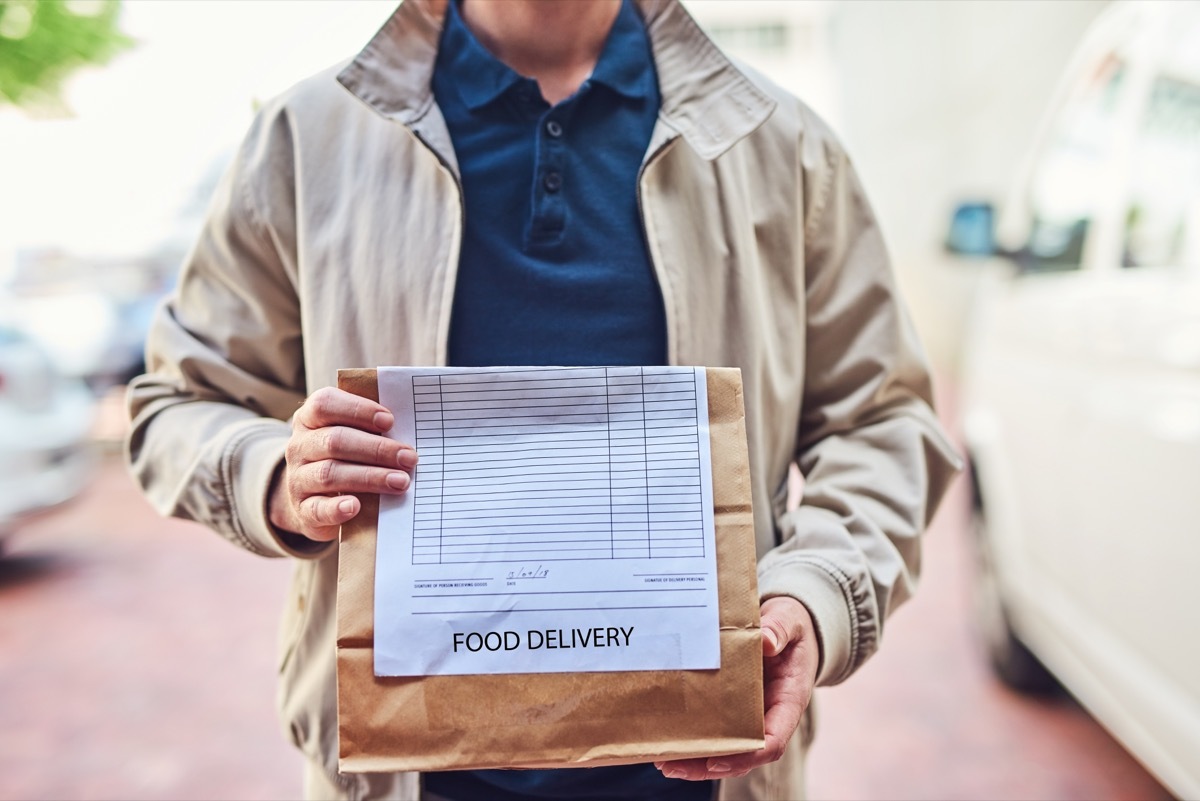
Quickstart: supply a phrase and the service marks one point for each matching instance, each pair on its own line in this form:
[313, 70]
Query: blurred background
[1036, 170]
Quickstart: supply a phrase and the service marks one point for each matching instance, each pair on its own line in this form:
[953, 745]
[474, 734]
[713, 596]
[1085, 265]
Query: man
[535, 182]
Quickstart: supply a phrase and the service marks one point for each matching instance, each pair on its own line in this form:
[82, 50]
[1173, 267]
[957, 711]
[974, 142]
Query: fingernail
[397, 481]
[407, 458]
[384, 421]
[346, 506]
[771, 639]
[658, 765]
[675, 774]
[718, 767]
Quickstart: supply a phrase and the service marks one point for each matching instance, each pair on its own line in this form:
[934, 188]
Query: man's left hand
[791, 654]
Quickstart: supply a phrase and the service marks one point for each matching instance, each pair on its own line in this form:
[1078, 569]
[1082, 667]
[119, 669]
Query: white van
[1081, 382]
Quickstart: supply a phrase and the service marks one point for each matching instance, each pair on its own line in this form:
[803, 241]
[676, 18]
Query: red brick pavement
[137, 661]
[137, 658]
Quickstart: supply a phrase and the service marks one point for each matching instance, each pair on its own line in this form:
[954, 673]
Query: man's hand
[337, 447]
[791, 655]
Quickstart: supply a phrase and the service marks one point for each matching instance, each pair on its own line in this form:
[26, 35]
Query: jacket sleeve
[874, 458]
[224, 357]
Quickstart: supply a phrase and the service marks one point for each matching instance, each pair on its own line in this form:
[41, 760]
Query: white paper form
[560, 519]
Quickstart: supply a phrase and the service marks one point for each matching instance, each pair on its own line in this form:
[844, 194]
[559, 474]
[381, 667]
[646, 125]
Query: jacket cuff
[827, 599]
[254, 459]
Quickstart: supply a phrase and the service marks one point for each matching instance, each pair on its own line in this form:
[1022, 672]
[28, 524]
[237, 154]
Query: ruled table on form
[553, 509]
[508, 457]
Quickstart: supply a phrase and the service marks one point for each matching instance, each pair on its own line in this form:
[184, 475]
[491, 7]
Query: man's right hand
[337, 447]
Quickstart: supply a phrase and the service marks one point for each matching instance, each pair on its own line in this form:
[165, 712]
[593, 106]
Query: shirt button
[554, 128]
[552, 181]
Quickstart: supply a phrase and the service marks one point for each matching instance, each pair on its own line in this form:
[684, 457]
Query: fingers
[338, 447]
[691, 769]
[332, 478]
[779, 728]
[783, 622]
[320, 518]
[344, 444]
[336, 407]
[324, 512]
[724, 767]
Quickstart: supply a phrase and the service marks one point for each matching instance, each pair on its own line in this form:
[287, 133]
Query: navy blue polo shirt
[553, 271]
[554, 268]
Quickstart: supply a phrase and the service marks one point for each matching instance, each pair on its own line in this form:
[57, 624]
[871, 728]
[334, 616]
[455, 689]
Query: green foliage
[43, 41]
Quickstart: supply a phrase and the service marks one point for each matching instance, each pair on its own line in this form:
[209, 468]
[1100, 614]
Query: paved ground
[924, 719]
[136, 658]
[137, 661]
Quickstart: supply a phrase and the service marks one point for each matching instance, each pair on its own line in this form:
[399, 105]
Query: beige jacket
[333, 242]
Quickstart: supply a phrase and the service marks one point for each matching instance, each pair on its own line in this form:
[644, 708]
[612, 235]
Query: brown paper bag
[559, 719]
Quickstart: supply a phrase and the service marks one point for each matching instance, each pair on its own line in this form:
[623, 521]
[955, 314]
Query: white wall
[799, 60]
[940, 102]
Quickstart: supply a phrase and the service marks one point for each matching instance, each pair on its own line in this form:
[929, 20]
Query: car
[1081, 392]
[45, 420]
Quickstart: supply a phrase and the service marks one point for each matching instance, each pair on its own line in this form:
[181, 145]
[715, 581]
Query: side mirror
[972, 230]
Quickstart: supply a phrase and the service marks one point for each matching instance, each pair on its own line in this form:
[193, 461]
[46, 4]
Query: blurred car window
[1162, 221]
[1073, 172]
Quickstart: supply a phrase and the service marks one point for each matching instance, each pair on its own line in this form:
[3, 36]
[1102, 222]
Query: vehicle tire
[1011, 661]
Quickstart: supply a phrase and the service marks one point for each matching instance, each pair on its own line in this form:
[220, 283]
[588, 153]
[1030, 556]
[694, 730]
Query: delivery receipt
[560, 519]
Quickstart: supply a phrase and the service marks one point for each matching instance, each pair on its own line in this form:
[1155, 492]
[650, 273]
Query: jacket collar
[705, 98]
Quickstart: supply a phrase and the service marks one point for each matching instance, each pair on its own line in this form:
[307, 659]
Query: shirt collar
[479, 76]
[626, 64]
